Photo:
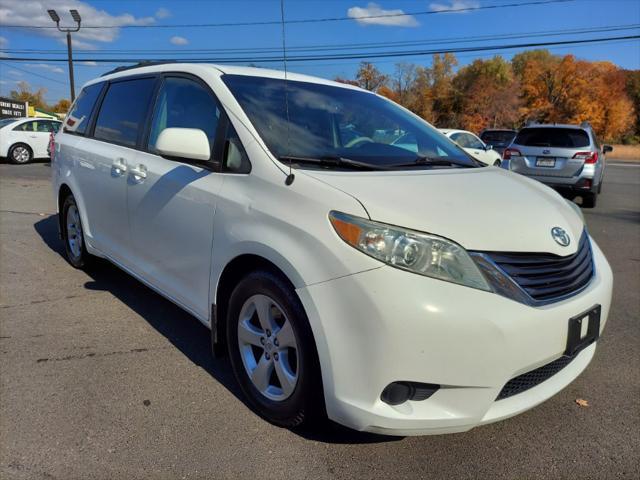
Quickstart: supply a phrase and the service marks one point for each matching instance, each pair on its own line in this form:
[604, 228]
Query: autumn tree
[369, 77]
[633, 92]
[25, 94]
[62, 106]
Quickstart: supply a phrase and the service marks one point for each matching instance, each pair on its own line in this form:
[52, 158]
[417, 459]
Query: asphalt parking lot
[102, 378]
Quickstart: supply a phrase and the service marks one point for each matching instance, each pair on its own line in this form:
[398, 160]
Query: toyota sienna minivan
[401, 289]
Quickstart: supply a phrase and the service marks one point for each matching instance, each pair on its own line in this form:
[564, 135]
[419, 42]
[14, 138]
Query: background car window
[44, 127]
[184, 103]
[78, 117]
[472, 141]
[460, 139]
[552, 137]
[497, 138]
[123, 111]
[55, 126]
[25, 127]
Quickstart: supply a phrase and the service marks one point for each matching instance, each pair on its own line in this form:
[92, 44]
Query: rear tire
[262, 356]
[589, 200]
[73, 234]
[20, 154]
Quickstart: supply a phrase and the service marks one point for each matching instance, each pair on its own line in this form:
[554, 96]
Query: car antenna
[291, 177]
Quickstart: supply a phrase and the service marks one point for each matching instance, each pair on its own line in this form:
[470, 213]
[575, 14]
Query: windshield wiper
[422, 160]
[332, 161]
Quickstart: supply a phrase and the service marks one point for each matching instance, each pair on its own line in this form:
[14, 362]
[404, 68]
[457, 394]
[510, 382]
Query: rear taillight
[509, 152]
[588, 157]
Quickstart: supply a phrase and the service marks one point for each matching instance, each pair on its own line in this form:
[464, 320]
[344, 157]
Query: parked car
[498, 138]
[474, 146]
[566, 157]
[24, 139]
[399, 291]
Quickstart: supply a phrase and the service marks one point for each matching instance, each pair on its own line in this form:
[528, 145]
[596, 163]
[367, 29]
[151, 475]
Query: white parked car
[474, 146]
[22, 140]
[390, 288]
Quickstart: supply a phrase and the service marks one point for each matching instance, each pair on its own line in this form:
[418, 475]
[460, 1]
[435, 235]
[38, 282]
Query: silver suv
[565, 157]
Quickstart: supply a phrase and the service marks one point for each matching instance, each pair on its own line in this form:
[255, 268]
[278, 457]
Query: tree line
[535, 85]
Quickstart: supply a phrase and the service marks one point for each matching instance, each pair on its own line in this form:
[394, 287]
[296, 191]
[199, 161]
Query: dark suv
[566, 157]
[498, 138]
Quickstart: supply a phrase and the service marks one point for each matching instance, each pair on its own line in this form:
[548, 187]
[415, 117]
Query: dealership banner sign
[12, 108]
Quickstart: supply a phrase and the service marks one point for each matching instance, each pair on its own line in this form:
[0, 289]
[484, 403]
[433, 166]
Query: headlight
[416, 252]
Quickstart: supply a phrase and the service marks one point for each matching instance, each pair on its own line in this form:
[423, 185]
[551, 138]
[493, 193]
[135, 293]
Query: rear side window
[553, 137]
[123, 111]
[78, 118]
[184, 103]
[25, 127]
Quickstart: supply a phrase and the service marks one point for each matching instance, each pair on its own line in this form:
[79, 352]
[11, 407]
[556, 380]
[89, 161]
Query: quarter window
[184, 103]
[123, 111]
[78, 117]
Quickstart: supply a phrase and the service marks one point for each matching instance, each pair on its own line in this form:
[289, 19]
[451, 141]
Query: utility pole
[76, 17]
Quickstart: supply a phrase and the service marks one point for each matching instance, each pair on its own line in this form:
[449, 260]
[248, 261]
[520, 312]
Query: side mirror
[188, 143]
[607, 148]
[488, 147]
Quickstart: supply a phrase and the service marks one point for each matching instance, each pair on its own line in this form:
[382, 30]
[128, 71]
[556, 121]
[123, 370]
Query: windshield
[553, 137]
[497, 138]
[328, 121]
[6, 121]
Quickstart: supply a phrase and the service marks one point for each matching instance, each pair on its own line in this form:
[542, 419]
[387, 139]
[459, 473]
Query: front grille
[535, 377]
[546, 276]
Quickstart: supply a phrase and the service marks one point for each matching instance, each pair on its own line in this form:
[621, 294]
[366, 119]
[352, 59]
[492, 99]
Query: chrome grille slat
[545, 277]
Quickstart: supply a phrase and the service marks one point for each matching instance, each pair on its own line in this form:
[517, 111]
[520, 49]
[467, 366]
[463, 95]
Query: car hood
[487, 209]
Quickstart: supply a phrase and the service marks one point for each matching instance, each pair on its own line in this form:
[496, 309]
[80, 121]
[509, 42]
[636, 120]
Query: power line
[349, 56]
[310, 20]
[345, 46]
[34, 73]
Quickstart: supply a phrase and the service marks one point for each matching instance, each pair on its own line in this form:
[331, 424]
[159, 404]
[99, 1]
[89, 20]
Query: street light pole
[76, 17]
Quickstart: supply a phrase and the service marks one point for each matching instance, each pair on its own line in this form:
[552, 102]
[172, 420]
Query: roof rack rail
[137, 65]
[585, 125]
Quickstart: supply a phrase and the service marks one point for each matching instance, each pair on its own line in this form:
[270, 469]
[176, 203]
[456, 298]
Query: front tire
[497, 163]
[73, 234]
[20, 154]
[273, 352]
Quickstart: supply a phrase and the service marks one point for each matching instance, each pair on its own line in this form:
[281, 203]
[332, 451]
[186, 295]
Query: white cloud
[89, 63]
[179, 40]
[15, 73]
[46, 66]
[34, 13]
[3, 42]
[455, 5]
[395, 18]
[163, 13]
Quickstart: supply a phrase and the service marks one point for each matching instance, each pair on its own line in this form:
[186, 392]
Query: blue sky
[90, 43]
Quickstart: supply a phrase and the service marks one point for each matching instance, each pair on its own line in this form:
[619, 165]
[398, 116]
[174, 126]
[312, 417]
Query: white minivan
[393, 289]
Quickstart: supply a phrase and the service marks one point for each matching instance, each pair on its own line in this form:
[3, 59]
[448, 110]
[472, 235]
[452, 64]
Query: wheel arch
[16, 144]
[236, 269]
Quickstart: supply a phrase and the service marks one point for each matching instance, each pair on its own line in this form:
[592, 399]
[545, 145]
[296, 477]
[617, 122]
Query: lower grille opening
[528, 380]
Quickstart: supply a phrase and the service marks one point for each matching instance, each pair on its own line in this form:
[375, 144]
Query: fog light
[399, 392]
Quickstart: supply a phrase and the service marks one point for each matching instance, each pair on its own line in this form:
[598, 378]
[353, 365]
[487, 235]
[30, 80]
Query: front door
[171, 203]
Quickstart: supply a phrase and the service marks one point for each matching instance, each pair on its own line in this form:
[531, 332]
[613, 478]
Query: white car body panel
[181, 226]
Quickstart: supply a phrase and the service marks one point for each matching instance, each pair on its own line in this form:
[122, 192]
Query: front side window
[184, 103]
[473, 141]
[78, 117]
[123, 111]
[324, 121]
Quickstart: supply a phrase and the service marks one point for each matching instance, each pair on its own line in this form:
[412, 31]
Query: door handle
[118, 167]
[139, 173]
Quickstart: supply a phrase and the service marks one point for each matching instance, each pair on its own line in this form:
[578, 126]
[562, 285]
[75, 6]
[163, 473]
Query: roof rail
[148, 63]
[585, 125]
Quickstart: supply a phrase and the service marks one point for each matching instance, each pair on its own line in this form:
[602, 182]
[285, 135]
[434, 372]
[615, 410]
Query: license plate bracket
[548, 162]
[577, 338]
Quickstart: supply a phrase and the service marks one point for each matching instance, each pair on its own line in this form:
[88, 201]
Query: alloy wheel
[268, 347]
[74, 231]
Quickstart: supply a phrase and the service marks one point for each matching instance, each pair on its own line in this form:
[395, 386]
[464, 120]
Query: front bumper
[386, 325]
